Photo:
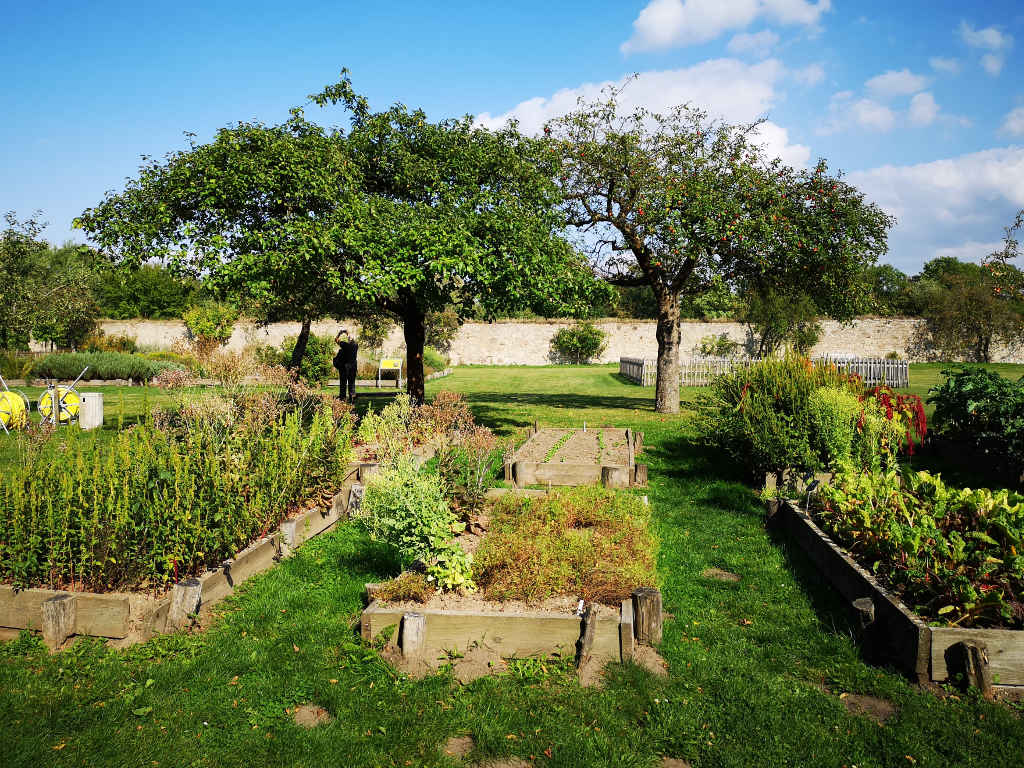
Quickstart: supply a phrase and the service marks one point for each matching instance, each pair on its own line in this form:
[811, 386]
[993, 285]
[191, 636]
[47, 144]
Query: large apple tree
[683, 203]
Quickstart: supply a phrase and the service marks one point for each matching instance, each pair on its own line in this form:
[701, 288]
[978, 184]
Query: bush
[950, 553]
[99, 341]
[434, 360]
[441, 328]
[15, 366]
[102, 365]
[150, 506]
[777, 319]
[317, 364]
[407, 509]
[717, 346]
[588, 542]
[578, 344]
[209, 325]
[983, 411]
[833, 415]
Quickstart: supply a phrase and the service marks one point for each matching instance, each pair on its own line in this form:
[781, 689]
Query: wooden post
[367, 469]
[414, 634]
[640, 475]
[508, 471]
[865, 608]
[647, 615]
[185, 600]
[58, 620]
[355, 499]
[586, 641]
[372, 588]
[971, 660]
[615, 477]
[638, 443]
[627, 639]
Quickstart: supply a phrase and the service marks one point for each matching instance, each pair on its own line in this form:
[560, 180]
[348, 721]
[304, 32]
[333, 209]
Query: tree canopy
[686, 204]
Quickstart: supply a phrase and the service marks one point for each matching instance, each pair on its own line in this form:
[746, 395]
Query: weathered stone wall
[515, 342]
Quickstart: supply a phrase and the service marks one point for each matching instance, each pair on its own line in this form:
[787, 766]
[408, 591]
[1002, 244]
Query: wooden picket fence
[700, 371]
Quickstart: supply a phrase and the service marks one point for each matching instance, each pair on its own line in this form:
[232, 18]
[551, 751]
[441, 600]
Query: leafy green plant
[209, 325]
[833, 414]
[984, 412]
[717, 345]
[554, 449]
[589, 542]
[433, 359]
[100, 341]
[102, 365]
[579, 344]
[951, 553]
[407, 509]
[317, 361]
[154, 505]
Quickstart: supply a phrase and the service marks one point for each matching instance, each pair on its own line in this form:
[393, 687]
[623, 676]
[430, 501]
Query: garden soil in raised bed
[581, 447]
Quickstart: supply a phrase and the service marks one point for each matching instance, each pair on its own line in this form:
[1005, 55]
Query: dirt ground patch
[311, 715]
[673, 762]
[508, 762]
[477, 662]
[459, 746]
[595, 446]
[648, 658]
[719, 575]
[877, 709]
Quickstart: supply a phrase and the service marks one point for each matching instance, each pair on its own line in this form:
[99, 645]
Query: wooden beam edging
[897, 635]
[894, 634]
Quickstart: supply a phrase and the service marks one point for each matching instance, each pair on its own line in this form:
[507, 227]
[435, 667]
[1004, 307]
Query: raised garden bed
[567, 457]
[894, 635]
[541, 620]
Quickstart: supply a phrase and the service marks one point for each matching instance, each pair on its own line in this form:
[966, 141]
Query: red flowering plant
[905, 411]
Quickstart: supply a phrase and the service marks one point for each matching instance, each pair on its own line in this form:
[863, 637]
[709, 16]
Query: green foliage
[579, 344]
[441, 327]
[388, 430]
[151, 506]
[434, 359]
[718, 345]
[14, 365]
[99, 341]
[951, 553]
[761, 415]
[984, 412]
[102, 365]
[407, 509]
[210, 325]
[589, 542]
[781, 318]
[151, 291]
[373, 332]
[317, 361]
[833, 415]
[408, 586]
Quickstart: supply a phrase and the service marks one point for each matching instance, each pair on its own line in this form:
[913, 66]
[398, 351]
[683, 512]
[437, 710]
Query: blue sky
[921, 103]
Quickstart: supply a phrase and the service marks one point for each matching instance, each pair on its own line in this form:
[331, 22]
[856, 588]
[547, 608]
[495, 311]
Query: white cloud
[1013, 123]
[949, 66]
[810, 75]
[845, 111]
[990, 39]
[993, 63]
[964, 199]
[901, 82]
[728, 88]
[923, 109]
[759, 44]
[670, 23]
[971, 250]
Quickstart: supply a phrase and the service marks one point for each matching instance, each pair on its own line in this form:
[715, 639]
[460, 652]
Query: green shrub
[388, 430]
[407, 509]
[589, 542]
[760, 414]
[834, 414]
[99, 341]
[373, 332]
[719, 345]
[102, 365]
[152, 506]
[433, 359]
[15, 366]
[983, 411]
[951, 553]
[441, 328]
[317, 364]
[210, 325]
[578, 344]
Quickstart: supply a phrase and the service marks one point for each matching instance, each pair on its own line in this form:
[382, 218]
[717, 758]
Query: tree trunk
[414, 328]
[300, 346]
[666, 387]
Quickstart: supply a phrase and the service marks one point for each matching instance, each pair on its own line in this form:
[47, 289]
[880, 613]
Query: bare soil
[311, 715]
[459, 746]
[581, 447]
[719, 575]
[877, 709]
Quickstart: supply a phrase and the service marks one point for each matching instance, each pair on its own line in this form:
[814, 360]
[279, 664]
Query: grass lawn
[756, 667]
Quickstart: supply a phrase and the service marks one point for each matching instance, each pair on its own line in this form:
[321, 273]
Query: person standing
[346, 362]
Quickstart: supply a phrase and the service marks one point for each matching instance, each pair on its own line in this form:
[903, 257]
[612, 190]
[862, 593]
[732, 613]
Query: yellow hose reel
[14, 408]
[68, 403]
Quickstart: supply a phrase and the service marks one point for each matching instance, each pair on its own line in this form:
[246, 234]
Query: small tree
[775, 319]
[210, 325]
[579, 344]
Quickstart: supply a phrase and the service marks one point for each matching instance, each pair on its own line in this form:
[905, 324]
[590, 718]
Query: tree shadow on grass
[493, 408]
[369, 558]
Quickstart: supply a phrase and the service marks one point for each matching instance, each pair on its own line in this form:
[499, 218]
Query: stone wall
[516, 342]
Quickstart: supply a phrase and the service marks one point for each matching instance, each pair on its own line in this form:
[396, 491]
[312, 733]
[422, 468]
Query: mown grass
[756, 667]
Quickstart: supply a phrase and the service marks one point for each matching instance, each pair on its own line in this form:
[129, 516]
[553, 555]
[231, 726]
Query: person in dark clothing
[346, 362]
